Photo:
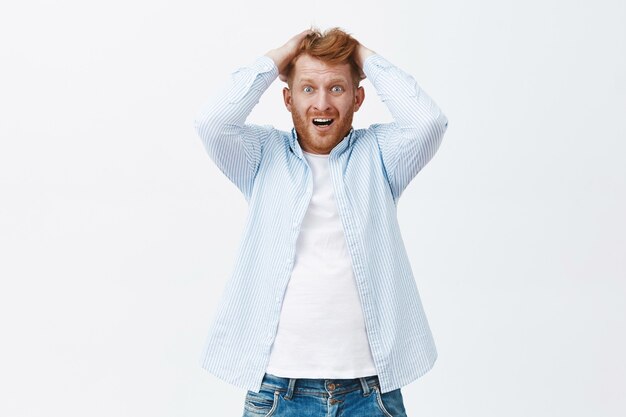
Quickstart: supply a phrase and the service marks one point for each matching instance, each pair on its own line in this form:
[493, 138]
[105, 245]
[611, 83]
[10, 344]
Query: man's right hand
[283, 55]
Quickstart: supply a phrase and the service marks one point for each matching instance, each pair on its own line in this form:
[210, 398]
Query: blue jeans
[288, 397]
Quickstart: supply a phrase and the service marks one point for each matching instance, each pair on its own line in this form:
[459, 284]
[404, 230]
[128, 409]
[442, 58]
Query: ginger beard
[321, 139]
[322, 100]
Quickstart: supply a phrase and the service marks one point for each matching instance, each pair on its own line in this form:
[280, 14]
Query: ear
[358, 98]
[287, 98]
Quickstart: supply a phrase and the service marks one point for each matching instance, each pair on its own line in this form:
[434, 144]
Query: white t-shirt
[321, 332]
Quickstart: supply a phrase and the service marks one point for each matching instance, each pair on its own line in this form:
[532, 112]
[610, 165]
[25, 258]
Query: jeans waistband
[318, 386]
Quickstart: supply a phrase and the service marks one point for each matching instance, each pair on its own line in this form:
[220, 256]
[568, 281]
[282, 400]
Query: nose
[321, 101]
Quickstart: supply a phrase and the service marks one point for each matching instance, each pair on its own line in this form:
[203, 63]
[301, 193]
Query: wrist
[363, 54]
[274, 55]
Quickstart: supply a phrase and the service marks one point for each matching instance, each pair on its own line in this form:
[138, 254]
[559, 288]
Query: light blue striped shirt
[370, 168]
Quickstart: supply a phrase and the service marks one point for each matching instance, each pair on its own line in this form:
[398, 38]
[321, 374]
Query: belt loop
[366, 388]
[292, 384]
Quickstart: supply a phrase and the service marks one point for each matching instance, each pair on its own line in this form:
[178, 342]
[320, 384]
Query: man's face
[322, 100]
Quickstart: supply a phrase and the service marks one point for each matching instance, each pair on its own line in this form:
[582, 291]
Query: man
[322, 315]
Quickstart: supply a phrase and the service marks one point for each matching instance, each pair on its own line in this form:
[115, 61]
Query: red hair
[332, 47]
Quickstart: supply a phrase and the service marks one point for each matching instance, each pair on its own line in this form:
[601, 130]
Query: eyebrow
[332, 81]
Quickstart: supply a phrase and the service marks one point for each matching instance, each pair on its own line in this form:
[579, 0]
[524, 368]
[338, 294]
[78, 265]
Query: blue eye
[337, 89]
[307, 89]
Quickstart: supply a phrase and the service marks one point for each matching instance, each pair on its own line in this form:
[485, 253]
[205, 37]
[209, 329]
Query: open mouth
[322, 122]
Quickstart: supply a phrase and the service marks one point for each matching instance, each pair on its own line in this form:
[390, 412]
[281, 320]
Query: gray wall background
[117, 233]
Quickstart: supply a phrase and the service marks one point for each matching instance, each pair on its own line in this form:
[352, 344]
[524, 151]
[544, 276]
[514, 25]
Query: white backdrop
[117, 233]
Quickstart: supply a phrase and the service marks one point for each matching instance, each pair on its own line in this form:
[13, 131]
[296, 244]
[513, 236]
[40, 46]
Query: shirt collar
[346, 142]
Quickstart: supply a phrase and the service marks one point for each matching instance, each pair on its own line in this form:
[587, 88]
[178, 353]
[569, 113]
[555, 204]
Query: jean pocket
[390, 403]
[262, 403]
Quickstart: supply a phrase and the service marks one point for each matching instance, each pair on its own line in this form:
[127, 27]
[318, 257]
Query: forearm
[409, 105]
[227, 113]
[234, 146]
[411, 141]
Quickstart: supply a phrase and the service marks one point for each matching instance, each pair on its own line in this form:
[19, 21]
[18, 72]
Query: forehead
[307, 67]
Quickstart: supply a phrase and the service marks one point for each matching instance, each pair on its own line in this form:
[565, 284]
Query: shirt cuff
[260, 73]
[266, 66]
[374, 65]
